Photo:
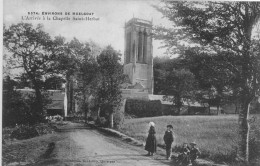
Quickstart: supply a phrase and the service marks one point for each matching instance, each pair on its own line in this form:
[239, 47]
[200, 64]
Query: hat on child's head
[169, 126]
[151, 124]
[193, 143]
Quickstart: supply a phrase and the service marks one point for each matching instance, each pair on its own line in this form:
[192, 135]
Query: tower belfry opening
[138, 64]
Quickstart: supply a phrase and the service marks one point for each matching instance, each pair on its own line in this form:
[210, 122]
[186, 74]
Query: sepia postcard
[133, 82]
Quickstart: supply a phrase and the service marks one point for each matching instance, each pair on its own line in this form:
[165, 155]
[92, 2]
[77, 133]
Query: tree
[211, 73]
[87, 81]
[79, 66]
[181, 85]
[33, 50]
[54, 82]
[173, 78]
[108, 94]
[162, 65]
[23, 81]
[221, 29]
[16, 106]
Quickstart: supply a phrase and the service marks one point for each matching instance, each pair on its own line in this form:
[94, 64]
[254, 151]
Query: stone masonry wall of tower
[138, 64]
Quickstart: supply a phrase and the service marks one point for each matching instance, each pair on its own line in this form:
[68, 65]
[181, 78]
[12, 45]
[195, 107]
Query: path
[87, 147]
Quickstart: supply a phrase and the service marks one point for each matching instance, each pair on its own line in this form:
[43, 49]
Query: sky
[108, 30]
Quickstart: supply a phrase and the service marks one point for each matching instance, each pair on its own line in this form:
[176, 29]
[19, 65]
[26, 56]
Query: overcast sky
[108, 30]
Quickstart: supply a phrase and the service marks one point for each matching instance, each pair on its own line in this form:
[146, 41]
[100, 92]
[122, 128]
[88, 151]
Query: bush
[142, 108]
[21, 109]
[24, 132]
[44, 128]
[254, 147]
[90, 119]
[102, 121]
[54, 118]
[15, 109]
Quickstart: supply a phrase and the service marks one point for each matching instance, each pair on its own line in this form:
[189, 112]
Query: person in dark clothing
[168, 140]
[194, 153]
[151, 145]
[183, 157]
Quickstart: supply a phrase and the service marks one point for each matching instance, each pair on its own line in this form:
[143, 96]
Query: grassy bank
[216, 136]
[29, 151]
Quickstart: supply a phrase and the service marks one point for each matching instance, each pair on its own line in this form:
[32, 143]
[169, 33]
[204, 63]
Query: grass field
[216, 136]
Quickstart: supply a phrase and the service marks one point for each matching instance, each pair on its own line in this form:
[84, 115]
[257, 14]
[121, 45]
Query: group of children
[187, 155]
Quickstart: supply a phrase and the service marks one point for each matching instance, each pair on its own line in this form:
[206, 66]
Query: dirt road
[84, 146]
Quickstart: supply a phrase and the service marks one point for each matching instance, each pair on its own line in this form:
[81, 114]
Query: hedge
[143, 108]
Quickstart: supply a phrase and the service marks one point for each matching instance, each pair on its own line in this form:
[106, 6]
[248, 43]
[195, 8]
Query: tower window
[140, 46]
[128, 47]
[145, 48]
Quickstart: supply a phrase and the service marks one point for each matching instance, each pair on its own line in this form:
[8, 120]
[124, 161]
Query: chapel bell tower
[138, 55]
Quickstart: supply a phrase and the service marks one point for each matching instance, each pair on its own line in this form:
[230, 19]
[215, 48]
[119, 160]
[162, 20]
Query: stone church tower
[138, 55]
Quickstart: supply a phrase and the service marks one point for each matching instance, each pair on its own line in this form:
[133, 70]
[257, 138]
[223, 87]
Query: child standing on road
[168, 140]
[150, 145]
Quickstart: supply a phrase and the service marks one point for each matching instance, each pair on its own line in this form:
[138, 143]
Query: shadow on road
[88, 161]
[72, 127]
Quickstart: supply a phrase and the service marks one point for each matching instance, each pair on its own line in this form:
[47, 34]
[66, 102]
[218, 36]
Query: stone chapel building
[138, 65]
[138, 59]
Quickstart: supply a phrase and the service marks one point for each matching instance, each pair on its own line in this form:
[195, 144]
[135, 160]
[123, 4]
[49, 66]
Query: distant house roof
[138, 86]
[159, 97]
[167, 102]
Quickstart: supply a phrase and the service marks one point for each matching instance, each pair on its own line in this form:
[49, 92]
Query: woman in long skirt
[151, 145]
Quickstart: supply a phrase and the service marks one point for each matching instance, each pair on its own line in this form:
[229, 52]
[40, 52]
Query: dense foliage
[143, 108]
[108, 93]
[221, 31]
[49, 63]
[19, 108]
[34, 51]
